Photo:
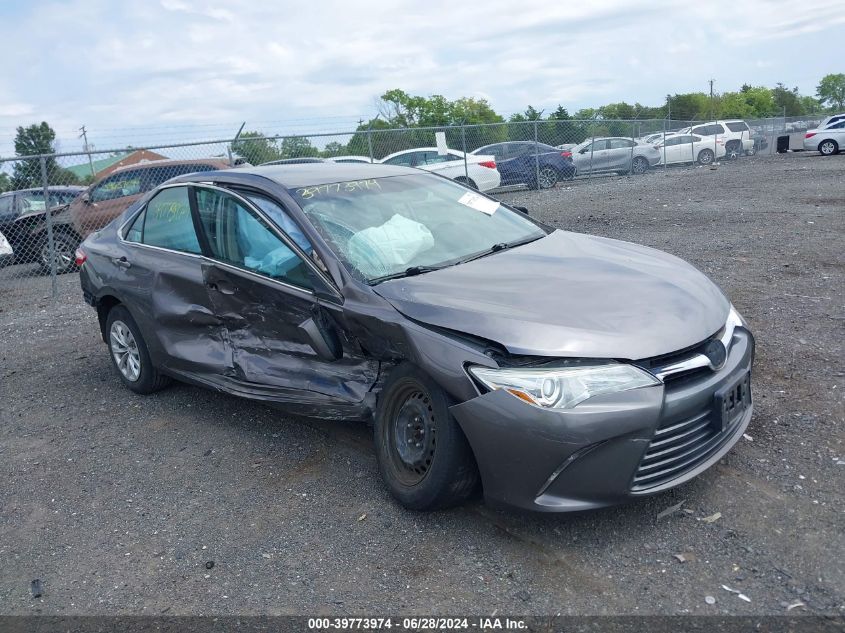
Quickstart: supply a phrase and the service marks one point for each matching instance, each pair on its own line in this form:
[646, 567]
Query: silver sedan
[614, 154]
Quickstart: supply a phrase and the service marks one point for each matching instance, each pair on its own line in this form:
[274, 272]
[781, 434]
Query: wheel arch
[104, 305]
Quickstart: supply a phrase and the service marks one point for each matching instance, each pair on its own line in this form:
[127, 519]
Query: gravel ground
[119, 503]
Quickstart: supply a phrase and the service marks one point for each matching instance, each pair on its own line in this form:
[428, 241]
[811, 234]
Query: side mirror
[86, 198]
[583, 150]
[522, 209]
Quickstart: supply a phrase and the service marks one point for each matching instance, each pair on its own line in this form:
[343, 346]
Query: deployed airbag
[382, 250]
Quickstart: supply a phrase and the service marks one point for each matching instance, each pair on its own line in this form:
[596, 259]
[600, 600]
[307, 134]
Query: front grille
[678, 447]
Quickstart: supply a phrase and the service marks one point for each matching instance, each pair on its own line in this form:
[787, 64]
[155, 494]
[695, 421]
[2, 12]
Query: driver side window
[126, 183]
[241, 238]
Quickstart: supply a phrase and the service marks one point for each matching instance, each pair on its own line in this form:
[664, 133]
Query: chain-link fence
[55, 201]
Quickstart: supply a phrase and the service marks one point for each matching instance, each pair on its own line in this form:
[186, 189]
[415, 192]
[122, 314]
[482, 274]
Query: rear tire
[733, 150]
[129, 353]
[706, 157]
[468, 182]
[639, 166]
[423, 456]
[828, 147]
[548, 177]
[64, 248]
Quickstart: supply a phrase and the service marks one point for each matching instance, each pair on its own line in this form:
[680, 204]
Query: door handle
[122, 262]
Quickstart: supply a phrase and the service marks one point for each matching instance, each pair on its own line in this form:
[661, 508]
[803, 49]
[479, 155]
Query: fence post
[634, 141]
[51, 245]
[665, 166]
[464, 143]
[370, 141]
[536, 157]
[592, 147]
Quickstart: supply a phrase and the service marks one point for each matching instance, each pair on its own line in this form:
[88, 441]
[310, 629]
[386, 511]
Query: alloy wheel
[827, 148]
[61, 253]
[548, 178]
[639, 166]
[124, 349]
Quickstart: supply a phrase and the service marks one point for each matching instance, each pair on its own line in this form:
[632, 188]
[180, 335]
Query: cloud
[201, 62]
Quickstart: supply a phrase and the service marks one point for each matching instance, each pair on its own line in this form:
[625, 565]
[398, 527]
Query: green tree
[297, 147]
[691, 106]
[5, 182]
[34, 140]
[831, 90]
[787, 101]
[334, 148]
[255, 148]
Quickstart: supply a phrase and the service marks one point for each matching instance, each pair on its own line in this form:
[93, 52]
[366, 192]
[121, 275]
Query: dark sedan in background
[561, 371]
[23, 220]
[535, 165]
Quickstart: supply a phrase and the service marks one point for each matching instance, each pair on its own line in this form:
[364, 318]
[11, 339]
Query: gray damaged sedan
[555, 370]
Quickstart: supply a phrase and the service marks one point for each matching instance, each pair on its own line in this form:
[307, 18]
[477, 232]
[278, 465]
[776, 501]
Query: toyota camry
[555, 371]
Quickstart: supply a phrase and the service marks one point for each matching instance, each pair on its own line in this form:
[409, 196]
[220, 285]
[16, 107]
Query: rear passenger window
[620, 143]
[136, 229]
[168, 222]
[738, 126]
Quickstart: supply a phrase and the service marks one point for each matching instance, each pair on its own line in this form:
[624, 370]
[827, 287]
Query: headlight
[735, 319]
[565, 387]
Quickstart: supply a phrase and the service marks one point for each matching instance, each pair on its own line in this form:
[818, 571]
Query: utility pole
[84, 136]
[711, 98]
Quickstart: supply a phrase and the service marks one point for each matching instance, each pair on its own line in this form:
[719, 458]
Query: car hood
[569, 294]
[40, 213]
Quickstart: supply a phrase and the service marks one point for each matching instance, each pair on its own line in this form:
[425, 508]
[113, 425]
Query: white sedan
[828, 141]
[479, 172]
[691, 148]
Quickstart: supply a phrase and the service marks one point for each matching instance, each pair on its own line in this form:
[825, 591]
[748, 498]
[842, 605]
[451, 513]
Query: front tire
[423, 456]
[706, 157]
[129, 353]
[828, 147]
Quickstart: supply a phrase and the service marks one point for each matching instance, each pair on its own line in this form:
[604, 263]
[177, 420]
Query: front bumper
[604, 451]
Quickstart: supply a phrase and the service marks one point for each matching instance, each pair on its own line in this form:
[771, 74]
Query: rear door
[262, 282]
[619, 154]
[158, 272]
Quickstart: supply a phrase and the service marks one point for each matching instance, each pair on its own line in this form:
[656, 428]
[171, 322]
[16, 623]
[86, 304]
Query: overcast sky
[166, 64]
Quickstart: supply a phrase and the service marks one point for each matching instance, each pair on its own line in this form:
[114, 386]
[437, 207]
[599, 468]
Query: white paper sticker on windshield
[479, 203]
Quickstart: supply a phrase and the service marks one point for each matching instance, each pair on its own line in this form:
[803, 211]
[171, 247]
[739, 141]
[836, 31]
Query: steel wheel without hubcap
[413, 437]
[640, 165]
[124, 348]
[827, 148]
[548, 178]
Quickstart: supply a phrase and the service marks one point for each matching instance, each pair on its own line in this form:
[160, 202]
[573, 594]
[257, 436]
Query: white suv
[735, 133]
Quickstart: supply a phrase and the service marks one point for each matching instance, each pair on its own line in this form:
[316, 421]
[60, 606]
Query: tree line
[401, 117]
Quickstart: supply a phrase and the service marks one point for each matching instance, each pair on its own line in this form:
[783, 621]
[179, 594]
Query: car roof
[69, 188]
[308, 174]
[169, 162]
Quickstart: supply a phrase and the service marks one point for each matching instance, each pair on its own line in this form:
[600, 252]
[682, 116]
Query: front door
[595, 158]
[282, 340]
